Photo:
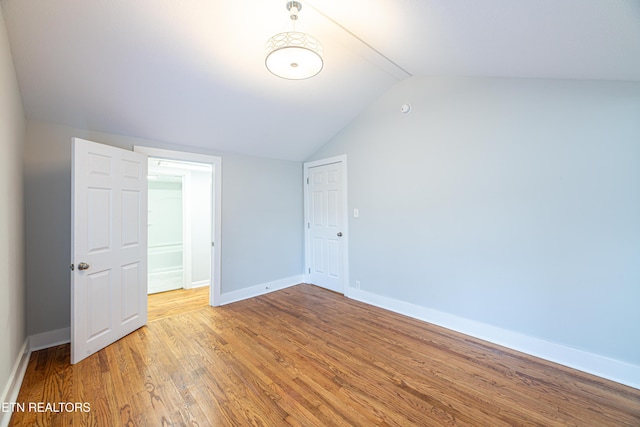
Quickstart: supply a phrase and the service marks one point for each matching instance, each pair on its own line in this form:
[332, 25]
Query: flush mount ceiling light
[294, 55]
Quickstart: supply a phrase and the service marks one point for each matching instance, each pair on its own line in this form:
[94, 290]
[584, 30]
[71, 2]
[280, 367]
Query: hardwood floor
[171, 303]
[304, 356]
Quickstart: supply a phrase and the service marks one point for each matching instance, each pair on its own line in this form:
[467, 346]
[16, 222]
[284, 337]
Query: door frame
[345, 219]
[216, 209]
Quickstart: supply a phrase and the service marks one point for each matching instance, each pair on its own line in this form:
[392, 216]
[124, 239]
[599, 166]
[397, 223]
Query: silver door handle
[83, 266]
[340, 234]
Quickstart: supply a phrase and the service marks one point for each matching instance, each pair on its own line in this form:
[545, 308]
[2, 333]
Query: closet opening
[179, 225]
[183, 224]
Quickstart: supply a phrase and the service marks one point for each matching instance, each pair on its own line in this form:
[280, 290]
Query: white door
[108, 246]
[325, 227]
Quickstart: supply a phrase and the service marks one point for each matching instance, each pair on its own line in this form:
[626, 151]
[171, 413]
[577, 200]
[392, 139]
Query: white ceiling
[192, 71]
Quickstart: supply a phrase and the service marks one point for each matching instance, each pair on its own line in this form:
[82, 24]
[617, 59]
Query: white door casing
[216, 208]
[326, 223]
[109, 235]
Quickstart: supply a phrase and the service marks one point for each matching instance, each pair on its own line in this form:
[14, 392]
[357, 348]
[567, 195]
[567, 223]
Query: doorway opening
[179, 225]
[183, 222]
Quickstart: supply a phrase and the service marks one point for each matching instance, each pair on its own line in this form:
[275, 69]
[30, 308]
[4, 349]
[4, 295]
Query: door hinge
[72, 267]
[308, 225]
[309, 270]
[213, 244]
[307, 180]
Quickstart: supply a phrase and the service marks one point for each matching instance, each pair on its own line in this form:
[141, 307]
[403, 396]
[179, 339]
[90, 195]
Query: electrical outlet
[357, 284]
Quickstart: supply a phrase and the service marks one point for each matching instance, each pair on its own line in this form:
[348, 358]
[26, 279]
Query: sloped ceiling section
[192, 71]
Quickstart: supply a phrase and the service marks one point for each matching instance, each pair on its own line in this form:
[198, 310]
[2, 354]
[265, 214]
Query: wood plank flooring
[171, 303]
[305, 356]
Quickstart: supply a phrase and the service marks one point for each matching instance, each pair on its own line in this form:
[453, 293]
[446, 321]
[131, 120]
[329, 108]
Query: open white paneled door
[108, 246]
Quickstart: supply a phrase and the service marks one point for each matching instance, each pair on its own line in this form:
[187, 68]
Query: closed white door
[325, 226]
[109, 246]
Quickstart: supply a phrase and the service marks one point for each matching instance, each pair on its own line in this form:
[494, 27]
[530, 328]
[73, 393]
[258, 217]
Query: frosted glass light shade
[294, 55]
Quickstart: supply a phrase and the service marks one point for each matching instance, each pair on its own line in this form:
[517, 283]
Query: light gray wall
[510, 202]
[12, 284]
[261, 219]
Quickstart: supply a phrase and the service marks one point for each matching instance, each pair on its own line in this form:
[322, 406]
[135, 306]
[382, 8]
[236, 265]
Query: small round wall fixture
[405, 108]
[294, 55]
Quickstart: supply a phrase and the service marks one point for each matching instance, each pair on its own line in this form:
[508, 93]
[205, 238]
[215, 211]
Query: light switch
[356, 213]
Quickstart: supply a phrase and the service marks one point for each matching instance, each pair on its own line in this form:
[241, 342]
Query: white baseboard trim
[12, 388]
[49, 339]
[261, 289]
[611, 369]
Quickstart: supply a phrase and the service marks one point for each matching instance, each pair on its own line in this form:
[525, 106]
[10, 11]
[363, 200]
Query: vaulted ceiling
[192, 71]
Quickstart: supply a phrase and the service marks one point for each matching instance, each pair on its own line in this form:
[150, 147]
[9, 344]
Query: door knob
[340, 234]
[83, 266]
